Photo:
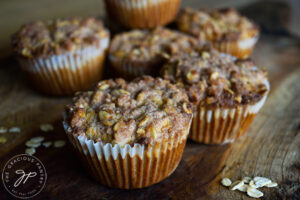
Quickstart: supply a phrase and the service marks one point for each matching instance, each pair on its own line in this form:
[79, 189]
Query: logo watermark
[24, 176]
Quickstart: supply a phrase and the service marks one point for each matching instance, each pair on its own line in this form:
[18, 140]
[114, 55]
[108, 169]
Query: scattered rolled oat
[30, 151]
[250, 185]
[46, 127]
[255, 193]
[37, 139]
[237, 184]
[261, 181]
[2, 140]
[243, 188]
[14, 129]
[59, 143]
[226, 182]
[3, 130]
[32, 144]
[47, 144]
[272, 184]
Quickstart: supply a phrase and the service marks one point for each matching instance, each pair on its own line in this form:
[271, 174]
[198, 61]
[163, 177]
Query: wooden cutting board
[271, 148]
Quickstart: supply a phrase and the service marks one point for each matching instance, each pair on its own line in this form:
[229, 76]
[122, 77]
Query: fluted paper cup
[129, 167]
[132, 69]
[142, 13]
[241, 48]
[66, 73]
[224, 125]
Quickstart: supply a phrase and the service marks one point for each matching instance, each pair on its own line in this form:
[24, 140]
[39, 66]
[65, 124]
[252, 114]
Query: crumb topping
[216, 79]
[145, 111]
[145, 45]
[57, 36]
[216, 24]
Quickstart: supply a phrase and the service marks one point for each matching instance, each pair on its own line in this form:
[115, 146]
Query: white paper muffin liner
[129, 167]
[143, 13]
[132, 69]
[241, 48]
[66, 73]
[223, 125]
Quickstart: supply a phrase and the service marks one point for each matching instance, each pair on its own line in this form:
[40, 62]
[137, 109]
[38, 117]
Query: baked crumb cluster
[216, 25]
[57, 36]
[144, 111]
[145, 45]
[216, 79]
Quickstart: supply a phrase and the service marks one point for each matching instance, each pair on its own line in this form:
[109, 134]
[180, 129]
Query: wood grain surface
[270, 149]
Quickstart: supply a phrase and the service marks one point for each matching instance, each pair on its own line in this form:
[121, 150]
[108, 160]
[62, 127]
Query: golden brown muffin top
[145, 111]
[215, 79]
[148, 45]
[216, 24]
[57, 36]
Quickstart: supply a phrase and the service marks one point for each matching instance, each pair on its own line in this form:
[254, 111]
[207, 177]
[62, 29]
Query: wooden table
[271, 148]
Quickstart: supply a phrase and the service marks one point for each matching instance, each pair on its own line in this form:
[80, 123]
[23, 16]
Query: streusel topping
[216, 79]
[216, 25]
[57, 36]
[145, 111]
[148, 45]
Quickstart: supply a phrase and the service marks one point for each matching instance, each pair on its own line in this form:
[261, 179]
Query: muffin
[143, 52]
[142, 13]
[226, 29]
[226, 93]
[62, 56]
[130, 134]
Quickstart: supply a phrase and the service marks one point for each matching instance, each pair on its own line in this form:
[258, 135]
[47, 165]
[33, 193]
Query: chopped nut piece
[214, 75]
[30, 151]
[26, 52]
[205, 55]
[210, 100]
[238, 98]
[140, 131]
[141, 97]
[59, 143]
[226, 182]
[165, 55]
[47, 144]
[103, 115]
[3, 140]
[3, 130]
[14, 129]
[186, 109]
[46, 127]
[192, 75]
[116, 126]
[229, 90]
[144, 121]
[272, 184]
[124, 92]
[104, 87]
[237, 184]
[253, 192]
